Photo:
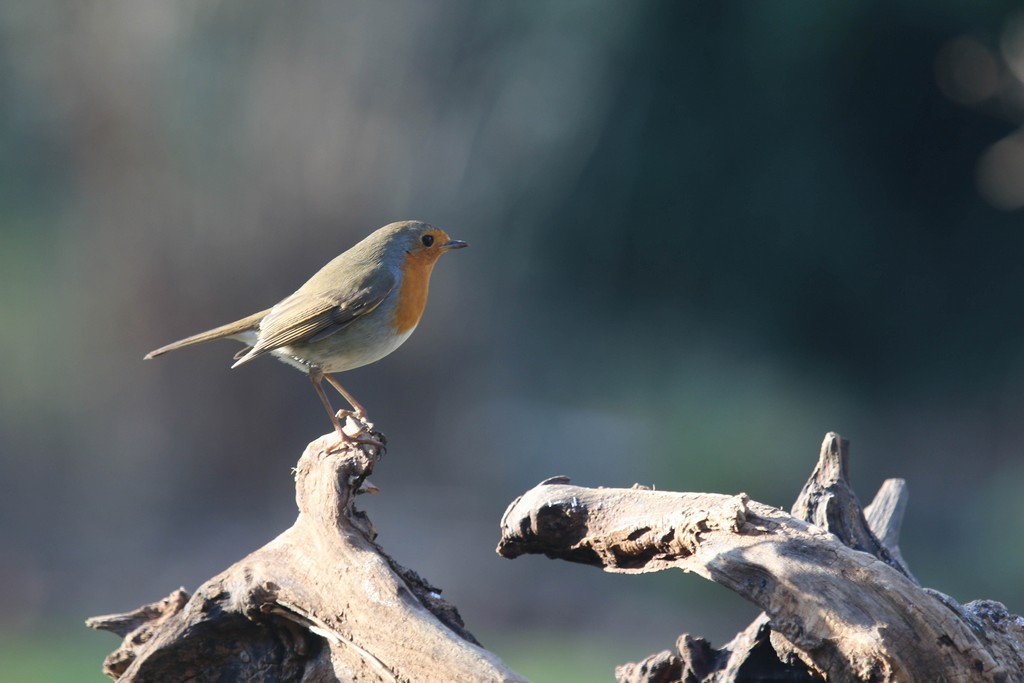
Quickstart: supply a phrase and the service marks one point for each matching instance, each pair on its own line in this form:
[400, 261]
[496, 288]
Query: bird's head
[418, 242]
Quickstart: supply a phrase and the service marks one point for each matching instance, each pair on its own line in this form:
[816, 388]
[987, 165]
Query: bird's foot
[358, 417]
[354, 430]
[355, 425]
[344, 440]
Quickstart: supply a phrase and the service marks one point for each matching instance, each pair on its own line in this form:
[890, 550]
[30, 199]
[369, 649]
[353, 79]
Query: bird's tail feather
[250, 323]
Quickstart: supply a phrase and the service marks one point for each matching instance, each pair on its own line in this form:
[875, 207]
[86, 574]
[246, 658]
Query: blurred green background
[703, 234]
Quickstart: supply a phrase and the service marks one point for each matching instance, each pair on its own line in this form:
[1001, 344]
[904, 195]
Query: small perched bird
[357, 309]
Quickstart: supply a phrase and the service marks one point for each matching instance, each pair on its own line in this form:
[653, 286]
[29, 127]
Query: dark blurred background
[703, 234]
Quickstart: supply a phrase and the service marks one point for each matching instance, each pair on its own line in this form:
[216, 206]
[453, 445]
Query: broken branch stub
[831, 611]
[827, 500]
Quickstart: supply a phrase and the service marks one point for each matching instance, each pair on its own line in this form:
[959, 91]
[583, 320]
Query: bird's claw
[356, 435]
[358, 417]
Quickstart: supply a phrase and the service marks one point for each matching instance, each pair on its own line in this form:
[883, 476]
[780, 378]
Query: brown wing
[304, 317]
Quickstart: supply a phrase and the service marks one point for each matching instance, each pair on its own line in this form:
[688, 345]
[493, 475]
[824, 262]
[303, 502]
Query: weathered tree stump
[839, 602]
[321, 602]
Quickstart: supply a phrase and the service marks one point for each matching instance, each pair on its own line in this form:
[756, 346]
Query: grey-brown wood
[838, 604]
[827, 500]
[885, 517]
[321, 602]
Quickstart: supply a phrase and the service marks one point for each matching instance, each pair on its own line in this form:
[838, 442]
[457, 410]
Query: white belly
[356, 348]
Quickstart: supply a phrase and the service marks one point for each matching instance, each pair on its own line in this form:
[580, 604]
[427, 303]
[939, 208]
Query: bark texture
[321, 602]
[839, 602]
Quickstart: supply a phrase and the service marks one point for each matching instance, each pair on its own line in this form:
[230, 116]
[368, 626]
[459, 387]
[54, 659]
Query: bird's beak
[454, 244]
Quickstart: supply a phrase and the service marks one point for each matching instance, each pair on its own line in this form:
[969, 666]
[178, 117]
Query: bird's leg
[316, 377]
[359, 412]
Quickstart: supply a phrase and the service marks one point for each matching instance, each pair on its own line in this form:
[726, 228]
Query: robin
[354, 311]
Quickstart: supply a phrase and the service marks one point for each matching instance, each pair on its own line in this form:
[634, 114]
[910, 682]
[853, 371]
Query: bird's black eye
[428, 240]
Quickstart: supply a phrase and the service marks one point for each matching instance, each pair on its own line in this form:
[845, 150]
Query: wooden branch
[321, 602]
[838, 604]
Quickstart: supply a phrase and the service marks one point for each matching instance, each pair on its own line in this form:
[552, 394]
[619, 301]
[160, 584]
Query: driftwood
[321, 602]
[839, 602]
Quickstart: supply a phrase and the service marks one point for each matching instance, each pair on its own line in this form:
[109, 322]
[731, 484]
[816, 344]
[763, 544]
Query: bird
[354, 311]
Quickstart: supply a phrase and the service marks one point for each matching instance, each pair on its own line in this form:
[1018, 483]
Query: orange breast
[412, 298]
